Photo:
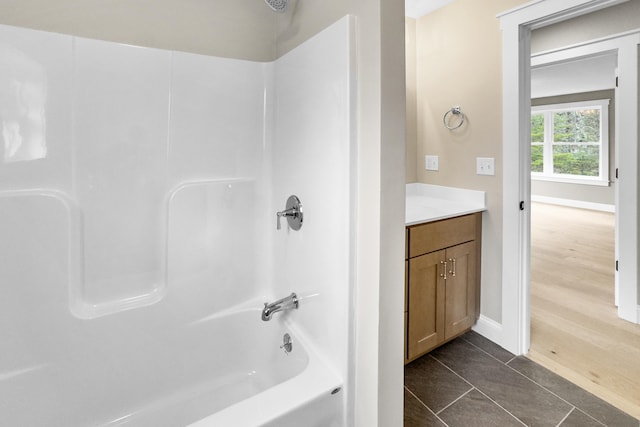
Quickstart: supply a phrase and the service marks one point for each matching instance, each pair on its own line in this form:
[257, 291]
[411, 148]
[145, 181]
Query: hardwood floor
[575, 330]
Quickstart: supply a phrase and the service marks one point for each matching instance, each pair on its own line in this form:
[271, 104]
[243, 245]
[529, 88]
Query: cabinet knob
[452, 272]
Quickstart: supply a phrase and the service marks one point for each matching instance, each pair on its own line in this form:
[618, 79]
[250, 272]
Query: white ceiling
[418, 8]
[575, 76]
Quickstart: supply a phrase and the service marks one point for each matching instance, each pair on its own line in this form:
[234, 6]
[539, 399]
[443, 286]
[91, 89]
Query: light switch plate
[431, 163]
[485, 166]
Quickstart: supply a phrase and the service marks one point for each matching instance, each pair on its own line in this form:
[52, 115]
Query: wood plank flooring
[575, 330]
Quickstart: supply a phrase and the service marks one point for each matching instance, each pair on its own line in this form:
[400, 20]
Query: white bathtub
[311, 396]
[251, 381]
[191, 376]
[287, 389]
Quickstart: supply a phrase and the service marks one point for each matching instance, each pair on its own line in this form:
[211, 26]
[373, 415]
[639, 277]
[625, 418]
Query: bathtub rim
[284, 397]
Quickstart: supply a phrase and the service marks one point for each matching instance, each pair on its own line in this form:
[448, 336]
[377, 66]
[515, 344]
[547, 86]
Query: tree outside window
[537, 142]
[569, 142]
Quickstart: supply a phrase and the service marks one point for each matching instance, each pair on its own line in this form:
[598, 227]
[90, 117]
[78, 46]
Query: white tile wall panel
[35, 109]
[120, 126]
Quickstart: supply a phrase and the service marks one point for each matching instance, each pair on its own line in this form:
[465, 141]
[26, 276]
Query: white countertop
[426, 202]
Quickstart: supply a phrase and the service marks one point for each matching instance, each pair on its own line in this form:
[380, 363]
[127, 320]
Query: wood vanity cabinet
[442, 282]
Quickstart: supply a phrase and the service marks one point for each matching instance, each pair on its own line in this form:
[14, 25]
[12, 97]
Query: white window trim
[603, 177]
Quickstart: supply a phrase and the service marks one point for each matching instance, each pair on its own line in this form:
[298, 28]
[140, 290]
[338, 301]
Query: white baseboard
[574, 203]
[490, 329]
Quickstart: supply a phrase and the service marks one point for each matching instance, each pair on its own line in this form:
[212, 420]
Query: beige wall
[242, 29]
[307, 19]
[458, 62]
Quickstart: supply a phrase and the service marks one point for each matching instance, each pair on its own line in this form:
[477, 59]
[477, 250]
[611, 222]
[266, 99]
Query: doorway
[517, 26]
[573, 172]
[573, 221]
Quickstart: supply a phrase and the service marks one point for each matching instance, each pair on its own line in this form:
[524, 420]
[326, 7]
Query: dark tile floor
[472, 382]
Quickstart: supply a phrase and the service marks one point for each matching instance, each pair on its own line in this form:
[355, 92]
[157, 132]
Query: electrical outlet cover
[431, 163]
[485, 166]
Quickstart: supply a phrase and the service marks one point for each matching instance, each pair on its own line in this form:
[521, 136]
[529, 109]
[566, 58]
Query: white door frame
[516, 28]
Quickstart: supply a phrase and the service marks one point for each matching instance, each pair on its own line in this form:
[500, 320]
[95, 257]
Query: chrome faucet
[286, 303]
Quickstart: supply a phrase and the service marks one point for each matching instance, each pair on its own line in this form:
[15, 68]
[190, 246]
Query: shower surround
[138, 197]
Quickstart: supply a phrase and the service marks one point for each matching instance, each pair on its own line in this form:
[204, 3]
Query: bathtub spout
[286, 303]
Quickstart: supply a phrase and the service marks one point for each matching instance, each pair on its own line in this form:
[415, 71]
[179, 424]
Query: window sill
[567, 180]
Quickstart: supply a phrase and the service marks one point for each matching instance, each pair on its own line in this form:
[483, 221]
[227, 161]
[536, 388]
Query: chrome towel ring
[455, 111]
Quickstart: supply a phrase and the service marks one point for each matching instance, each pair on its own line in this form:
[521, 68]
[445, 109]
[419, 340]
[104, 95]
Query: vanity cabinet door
[426, 302]
[441, 303]
[461, 288]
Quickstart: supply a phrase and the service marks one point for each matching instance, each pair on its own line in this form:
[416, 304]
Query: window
[570, 142]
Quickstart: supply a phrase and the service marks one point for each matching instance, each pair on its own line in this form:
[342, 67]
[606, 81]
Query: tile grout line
[500, 406]
[486, 352]
[454, 372]
[536, 383]
[455, 400]
[566, 416]
[559, 397]
[473, 387]
[423, 404]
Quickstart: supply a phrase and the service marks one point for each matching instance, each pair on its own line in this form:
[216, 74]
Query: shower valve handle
[293, 213]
